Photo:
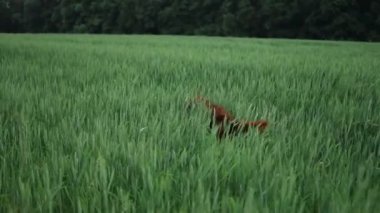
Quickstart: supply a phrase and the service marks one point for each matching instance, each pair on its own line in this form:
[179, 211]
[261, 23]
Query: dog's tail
[261, 125]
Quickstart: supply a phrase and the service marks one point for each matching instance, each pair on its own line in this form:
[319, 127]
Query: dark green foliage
[317, 19]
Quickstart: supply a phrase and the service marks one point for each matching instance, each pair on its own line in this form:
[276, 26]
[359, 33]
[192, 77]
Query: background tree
[5, 16]
[317, 19]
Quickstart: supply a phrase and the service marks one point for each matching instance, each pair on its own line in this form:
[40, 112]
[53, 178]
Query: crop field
[97, 123]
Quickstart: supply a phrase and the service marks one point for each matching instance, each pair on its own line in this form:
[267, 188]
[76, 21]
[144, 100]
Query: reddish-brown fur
[222, 118]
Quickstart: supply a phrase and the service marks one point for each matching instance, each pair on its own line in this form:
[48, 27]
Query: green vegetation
[317, 19]
[73, 109]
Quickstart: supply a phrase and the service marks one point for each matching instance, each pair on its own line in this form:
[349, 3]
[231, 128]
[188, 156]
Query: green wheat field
[97, 123]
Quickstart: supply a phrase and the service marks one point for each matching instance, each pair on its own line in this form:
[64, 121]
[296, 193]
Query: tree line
[315, 19]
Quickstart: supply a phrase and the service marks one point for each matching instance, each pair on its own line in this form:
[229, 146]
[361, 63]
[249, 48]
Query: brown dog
[227, 124]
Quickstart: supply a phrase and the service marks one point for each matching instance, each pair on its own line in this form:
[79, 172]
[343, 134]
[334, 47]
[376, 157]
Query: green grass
[72, 109]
